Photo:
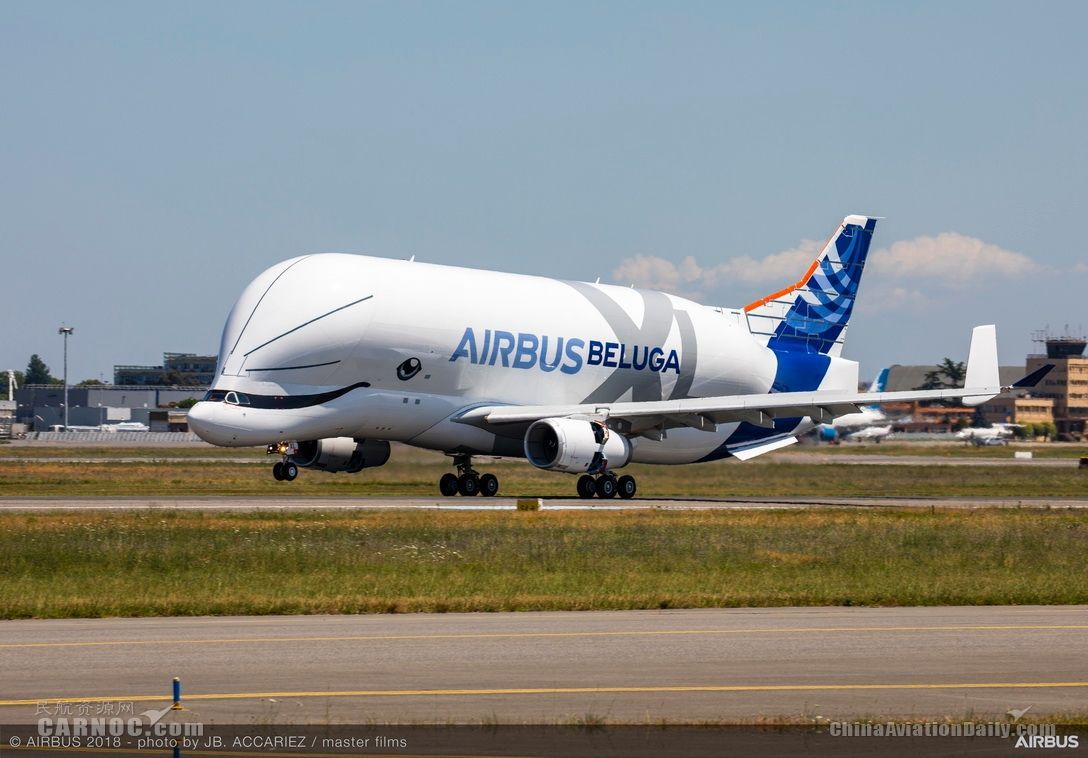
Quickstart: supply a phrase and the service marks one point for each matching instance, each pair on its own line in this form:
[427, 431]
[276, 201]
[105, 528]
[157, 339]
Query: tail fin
[811, 315]
[881, 382]
[879, 385]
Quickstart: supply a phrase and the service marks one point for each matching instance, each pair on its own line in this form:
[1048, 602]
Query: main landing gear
[284, 470]
[606, 486]
[467, 481]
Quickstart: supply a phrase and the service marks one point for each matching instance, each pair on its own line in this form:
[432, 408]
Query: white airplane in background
[867, 417]
[997, 434]
[870, 433]
[327, 358]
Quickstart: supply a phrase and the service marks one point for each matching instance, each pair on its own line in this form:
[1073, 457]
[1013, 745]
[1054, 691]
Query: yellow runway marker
[507, 635]
[561, 691]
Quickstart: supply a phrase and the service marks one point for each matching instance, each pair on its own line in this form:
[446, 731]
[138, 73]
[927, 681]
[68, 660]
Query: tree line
[37, 372]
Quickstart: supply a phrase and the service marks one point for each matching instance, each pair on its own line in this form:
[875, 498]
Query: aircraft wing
[651, 417]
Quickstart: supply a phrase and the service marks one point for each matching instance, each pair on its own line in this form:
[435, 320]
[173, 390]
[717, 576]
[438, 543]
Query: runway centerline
[514, 635]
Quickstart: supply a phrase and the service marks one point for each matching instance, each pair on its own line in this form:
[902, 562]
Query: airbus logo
[569, 355]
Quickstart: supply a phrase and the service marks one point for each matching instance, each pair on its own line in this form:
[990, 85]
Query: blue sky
[155, 157]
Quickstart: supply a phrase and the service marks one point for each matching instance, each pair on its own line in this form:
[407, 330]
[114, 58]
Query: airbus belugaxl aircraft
[327, 358]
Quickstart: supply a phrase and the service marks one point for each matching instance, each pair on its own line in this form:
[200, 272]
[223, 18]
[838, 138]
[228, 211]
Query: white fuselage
[463, 338]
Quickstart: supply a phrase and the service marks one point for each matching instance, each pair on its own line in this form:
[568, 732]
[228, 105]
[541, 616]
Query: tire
[277, 471]
[626, 486]
[606, 487]
[447, 485]
[489, 485]
[468, 485]
[587, 487]
[290, 471]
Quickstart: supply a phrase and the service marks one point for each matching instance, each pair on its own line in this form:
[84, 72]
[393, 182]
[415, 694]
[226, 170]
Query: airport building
[1036, 408]
[41, 406]
[182, 369]
[7, 418]
[1019, 410]
[1066, 385]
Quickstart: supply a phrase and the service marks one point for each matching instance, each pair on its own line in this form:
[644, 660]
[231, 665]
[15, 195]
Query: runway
[217, 503]
[818, 458]
[624, 666]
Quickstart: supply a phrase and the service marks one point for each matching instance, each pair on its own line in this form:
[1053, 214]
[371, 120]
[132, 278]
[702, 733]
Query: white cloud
[949, 255]
[691, 279]
[949, 259]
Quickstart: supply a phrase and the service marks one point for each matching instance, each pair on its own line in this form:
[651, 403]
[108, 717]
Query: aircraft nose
[202, 422]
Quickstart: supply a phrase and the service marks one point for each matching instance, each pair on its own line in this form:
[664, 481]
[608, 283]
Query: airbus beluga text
[328, 358]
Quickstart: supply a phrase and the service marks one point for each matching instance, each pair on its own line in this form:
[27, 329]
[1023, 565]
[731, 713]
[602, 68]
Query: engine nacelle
[341, 454]
[576, 446]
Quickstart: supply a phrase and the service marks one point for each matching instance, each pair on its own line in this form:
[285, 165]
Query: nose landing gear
[284, 470]
[606, 486]
[467, 481]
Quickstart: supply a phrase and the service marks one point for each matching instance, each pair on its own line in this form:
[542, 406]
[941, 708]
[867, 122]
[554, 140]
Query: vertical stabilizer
[811, 315]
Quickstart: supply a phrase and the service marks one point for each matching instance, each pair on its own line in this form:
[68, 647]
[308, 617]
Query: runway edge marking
[558, 691]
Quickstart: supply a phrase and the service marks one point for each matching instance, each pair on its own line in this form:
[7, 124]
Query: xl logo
[658, 316]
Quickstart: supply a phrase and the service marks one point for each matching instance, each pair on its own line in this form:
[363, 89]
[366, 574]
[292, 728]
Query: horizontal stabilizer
[1036, 376]
[747, 452]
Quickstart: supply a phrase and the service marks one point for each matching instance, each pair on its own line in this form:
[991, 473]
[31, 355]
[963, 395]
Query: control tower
[1067, 384]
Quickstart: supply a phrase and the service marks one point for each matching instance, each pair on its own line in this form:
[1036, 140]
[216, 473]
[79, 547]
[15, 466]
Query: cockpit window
[281, 402]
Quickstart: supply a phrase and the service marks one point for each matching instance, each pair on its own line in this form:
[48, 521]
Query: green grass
[416, 473]
[194, 450]
[1052, 450]
[136, 564]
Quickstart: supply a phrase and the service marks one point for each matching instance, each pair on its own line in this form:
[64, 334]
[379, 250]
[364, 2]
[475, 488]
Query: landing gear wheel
[447, 485]
[468, 485]
[606, 487]
[277, 471]
[587, 487]
[489, 485]
[626, 485]
[290, 471]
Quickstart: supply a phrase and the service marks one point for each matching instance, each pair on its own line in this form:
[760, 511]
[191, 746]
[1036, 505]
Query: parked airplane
[327, 358]
[868, 416]
[870, 433]
[997, 434]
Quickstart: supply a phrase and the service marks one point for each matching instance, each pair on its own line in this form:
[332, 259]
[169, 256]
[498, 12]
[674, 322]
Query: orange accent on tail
[785, 290]
[800, 282]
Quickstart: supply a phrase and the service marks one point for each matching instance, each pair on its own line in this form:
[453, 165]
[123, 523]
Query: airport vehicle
[327, 358]
[126, 426]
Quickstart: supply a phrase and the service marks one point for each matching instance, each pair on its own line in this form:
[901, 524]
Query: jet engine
[341, 454]
[575, 446]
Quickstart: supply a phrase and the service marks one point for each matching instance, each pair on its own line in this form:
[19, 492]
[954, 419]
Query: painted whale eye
[408, 369]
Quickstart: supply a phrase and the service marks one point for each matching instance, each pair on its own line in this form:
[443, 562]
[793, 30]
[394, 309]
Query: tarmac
[629, 666]
[218, 503]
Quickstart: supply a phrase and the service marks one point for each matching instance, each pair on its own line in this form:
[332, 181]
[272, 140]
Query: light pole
[65, 330]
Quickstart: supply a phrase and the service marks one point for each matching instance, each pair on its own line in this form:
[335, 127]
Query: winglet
[1036, 376]
[982, 363]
